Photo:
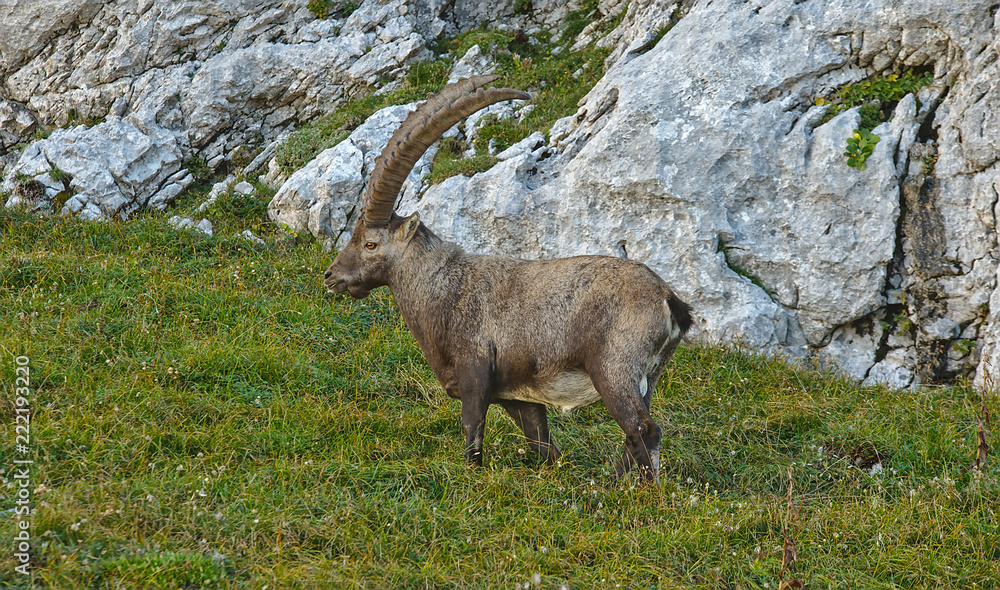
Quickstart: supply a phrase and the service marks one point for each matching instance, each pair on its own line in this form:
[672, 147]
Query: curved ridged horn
[421, 128]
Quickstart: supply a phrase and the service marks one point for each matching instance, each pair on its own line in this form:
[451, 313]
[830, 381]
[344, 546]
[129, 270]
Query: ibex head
[381, 237]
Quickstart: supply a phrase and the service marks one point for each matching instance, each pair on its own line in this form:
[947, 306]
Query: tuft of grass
[202, 410]
[328, 8]
[60, 176]
[446, 165]
[161, 569]
[74, 118]
[929, 163]
[577, 20]
[556, 83]
[199, 170]
[661, 32]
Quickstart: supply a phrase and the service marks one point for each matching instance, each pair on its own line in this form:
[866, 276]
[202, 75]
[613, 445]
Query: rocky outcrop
[758, 217]
[321, 198]
[214, 75]
[139, 167]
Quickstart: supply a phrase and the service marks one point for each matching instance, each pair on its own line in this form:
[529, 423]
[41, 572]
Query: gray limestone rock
[213, 75]
[134, 167]
[185, 223]
[16, 124]
[250, 237]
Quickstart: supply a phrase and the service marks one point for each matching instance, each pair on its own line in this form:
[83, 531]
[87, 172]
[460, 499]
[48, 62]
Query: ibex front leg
[475, 388]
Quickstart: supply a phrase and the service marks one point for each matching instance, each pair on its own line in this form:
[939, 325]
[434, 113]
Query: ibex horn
[421, 128]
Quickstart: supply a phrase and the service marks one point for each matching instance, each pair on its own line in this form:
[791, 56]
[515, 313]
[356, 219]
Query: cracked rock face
[140, 167]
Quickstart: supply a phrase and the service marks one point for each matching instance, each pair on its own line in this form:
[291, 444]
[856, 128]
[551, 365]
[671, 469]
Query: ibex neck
[418, 277]
[424, 285]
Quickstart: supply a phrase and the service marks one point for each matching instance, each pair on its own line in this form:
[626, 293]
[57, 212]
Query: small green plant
[875, 98]
[964, 346]
[449, 161]
[860, 147]
[660, 33]
[347, 9]
[199, 169]
[903, 322]
[577, 20]
[319, 8]
[234, 206]
[60, 176]
[523, 7]
[243, 155]
[74, 118]
[927, 164]
[675, 16]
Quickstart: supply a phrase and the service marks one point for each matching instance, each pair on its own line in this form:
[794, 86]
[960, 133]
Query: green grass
[450, 160]
[205, 416]
[556, 83]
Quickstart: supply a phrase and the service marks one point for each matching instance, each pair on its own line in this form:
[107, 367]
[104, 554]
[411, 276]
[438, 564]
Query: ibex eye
[371, 245]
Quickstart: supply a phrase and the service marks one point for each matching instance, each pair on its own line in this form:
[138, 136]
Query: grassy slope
[204, 412]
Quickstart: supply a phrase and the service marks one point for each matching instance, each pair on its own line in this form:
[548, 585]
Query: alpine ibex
[498, 330]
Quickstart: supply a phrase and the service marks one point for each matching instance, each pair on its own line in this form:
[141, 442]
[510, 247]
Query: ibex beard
[498, 330]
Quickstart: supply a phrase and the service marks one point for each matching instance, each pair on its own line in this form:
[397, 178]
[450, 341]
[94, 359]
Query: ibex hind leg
[620, 387]
[532, 420]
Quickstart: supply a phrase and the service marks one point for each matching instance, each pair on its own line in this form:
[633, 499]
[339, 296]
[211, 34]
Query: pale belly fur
[565, 391]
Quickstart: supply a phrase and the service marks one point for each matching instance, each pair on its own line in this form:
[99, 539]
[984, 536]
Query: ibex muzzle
[498, 330]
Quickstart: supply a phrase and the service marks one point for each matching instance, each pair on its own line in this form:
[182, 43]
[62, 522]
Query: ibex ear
[408, 228]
